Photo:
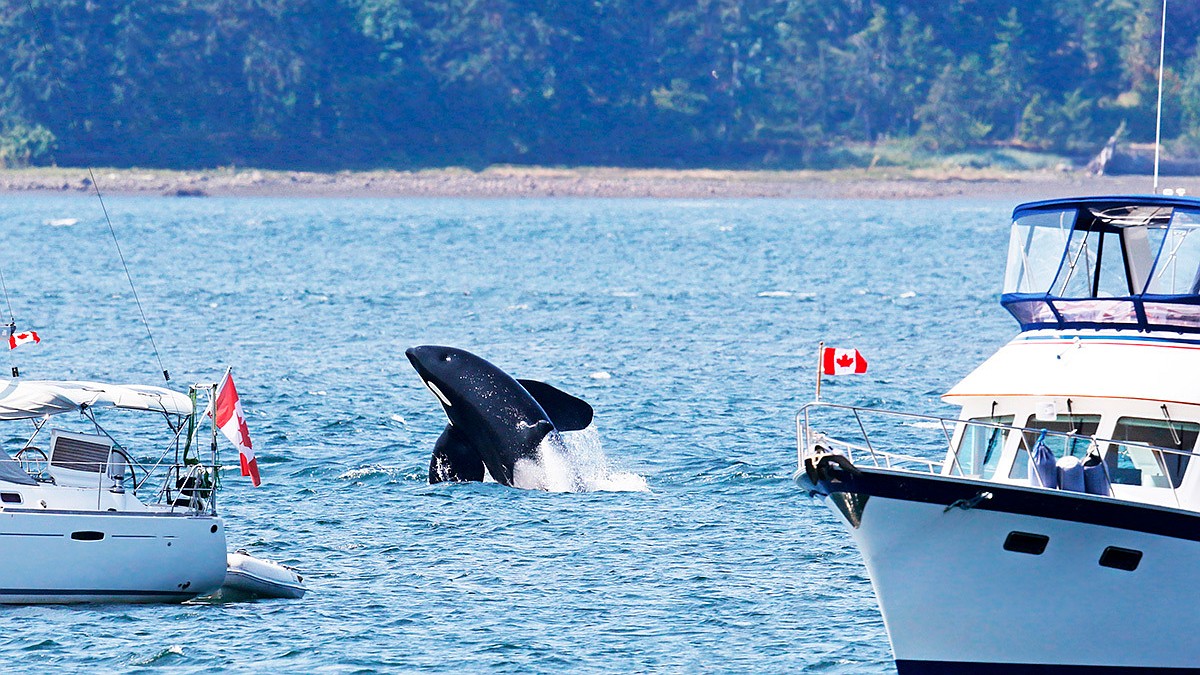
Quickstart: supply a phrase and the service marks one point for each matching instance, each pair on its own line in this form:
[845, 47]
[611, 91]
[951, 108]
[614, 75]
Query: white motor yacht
[1053, 526]
[87, 518]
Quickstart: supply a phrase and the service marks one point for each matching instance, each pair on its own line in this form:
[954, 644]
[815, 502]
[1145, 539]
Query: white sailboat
[85, 517]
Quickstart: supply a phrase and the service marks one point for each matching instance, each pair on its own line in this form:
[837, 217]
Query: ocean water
[690, 326]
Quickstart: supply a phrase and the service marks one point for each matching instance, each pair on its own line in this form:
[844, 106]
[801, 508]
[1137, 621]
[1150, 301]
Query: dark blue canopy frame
[1175, 312]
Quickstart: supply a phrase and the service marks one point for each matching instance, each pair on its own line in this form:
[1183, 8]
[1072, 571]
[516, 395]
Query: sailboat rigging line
[45, 45]
[1162, 47]
[113, 232]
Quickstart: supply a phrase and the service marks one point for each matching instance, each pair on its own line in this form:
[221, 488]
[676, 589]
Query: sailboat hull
[68, 557]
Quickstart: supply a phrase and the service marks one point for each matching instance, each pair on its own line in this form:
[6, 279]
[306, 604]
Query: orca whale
[496, 422]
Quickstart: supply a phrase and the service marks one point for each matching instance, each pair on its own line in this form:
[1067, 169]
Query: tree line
[330, 84]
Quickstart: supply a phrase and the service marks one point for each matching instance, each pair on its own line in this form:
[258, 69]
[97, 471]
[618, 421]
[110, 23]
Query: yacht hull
[69, 556]
[987, 578]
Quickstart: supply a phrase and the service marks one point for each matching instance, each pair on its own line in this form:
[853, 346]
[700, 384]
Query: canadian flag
[17, 339]
[232, 422]
[842, 361]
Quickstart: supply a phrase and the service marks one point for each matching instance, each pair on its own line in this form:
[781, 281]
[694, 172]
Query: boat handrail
[808, 441]
[190, 487]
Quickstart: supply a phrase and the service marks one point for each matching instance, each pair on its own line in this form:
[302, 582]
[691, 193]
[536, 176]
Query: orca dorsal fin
[567, 412]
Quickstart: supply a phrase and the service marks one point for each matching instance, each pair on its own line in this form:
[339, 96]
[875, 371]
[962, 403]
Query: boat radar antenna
[1162, 45]
[37, 25]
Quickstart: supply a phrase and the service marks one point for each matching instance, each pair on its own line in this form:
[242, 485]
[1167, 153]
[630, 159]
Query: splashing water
[574, 461]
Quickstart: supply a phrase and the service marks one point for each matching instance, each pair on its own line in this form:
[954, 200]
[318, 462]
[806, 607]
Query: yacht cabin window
[1061, 446]
[979, 450]
[1134, 464]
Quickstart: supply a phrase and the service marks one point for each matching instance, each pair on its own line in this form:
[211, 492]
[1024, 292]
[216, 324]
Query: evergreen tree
[950, 118]
[363, 83]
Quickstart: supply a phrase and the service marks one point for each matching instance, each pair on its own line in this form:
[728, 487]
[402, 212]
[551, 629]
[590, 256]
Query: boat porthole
[213, 529]
[87, 535]
[1025, 542]
[10, 497]
[1118, 558]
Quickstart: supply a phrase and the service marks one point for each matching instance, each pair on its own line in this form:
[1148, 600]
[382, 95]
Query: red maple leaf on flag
[244, 431]
[845, 361]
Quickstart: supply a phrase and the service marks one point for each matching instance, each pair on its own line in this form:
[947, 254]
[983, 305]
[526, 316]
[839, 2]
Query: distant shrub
[21, 143]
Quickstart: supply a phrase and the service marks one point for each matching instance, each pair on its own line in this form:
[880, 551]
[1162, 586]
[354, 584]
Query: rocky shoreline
[506, 182]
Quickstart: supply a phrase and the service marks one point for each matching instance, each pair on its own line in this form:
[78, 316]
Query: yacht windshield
[1105, 263]
[1036, 249]
[1177, 270]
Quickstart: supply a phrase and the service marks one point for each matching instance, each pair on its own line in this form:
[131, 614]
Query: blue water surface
[691, 327]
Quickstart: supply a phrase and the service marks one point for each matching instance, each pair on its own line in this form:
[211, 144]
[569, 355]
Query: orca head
[444, 371]
[473, 390]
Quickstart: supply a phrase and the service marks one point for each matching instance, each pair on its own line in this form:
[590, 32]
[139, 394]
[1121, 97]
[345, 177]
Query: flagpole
[820, 359]
[216, 453]
[11, 329]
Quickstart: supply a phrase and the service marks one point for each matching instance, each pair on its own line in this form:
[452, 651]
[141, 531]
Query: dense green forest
[333, 84]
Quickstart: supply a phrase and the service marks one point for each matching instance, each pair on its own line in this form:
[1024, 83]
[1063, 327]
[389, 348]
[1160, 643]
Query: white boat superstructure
[1054, 524]
[73, 522]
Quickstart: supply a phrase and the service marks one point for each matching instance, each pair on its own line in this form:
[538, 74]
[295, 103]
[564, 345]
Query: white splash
[799, 295]
[620, 481]
[601, 375]
[574, 461]
[529, 475]
[61, 222]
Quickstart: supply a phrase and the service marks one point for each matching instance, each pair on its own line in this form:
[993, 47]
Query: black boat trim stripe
[912, 667]
[1056, 505]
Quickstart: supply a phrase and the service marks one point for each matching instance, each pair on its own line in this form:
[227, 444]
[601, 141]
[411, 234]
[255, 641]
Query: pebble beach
[506, 181]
